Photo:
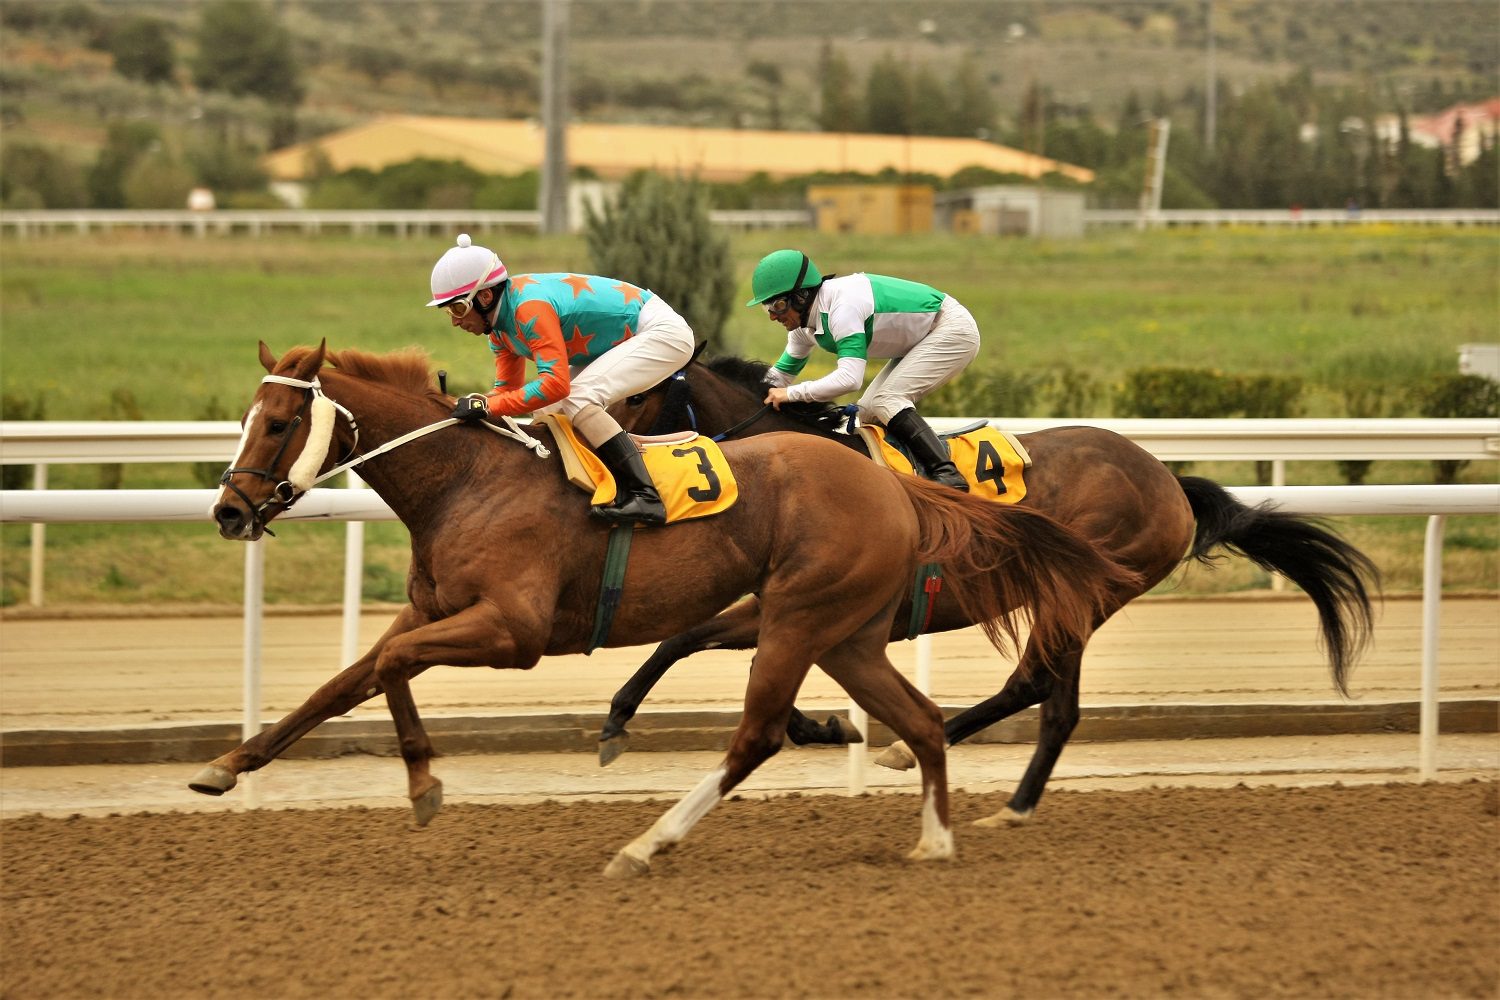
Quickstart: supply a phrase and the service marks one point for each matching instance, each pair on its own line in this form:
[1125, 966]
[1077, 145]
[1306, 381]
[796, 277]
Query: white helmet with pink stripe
[463, 270]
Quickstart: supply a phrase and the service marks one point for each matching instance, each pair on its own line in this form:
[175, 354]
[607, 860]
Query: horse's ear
[267, 359]
[307, 366]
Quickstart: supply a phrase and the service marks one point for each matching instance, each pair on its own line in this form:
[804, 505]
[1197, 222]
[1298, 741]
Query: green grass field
[132, 326]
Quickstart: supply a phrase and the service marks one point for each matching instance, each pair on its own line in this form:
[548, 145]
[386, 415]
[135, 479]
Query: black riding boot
[636, 499]
[926, 447]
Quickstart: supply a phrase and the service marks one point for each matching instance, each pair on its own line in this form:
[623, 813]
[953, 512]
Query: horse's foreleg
[476, 636]
[736, 628]
[774, 680]
[1059, 719]
[352, 686]
[865, 671]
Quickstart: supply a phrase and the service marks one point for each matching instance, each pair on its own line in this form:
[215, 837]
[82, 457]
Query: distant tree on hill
[243, 49]
[142, 50]
[888, 97]
[838, 110]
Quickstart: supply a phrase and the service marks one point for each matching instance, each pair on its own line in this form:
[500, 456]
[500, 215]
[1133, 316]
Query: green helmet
[782, 272]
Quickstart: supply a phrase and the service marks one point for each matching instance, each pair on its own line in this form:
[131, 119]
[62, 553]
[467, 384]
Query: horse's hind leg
[1059, 719]
[352, 686]
[864, 670]
[1029, 684]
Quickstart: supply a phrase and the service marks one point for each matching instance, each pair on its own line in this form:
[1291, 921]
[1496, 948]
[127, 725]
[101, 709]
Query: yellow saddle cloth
[689, 471]
[993, 461]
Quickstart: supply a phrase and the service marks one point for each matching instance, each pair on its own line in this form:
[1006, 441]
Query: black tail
[1336, 575]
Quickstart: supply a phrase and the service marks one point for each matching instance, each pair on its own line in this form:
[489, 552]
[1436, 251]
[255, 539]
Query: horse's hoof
[213, 780]
[428, 803]
[897, 757]
[936, 849]
[611, 748]
[1005, 817]
[845, 732]
[624, 865]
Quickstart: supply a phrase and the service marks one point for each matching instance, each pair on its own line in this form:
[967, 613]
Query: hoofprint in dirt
[1370, 891]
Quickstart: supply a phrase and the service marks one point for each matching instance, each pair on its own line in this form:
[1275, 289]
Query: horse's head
[288, 435]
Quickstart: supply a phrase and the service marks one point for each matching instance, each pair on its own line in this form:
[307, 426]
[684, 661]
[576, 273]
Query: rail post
[255, 605]
[38, 542]
[1432, 596]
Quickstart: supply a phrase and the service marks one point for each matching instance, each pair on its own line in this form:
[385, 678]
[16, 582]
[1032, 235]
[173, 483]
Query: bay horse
[506, 568]
[1100, 484]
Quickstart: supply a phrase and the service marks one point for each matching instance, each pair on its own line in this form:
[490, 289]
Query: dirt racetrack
[1368, 891]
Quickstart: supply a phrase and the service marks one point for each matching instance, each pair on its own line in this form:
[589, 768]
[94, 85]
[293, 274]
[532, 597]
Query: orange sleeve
[536, 324]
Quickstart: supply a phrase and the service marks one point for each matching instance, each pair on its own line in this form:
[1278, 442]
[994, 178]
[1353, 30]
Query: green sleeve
[789, 364]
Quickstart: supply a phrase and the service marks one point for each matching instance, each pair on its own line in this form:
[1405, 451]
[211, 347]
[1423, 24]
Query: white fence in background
[41, 443]
[311, 222]
[403, 223]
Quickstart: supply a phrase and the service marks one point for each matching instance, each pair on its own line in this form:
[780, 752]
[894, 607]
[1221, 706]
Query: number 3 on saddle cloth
[995, 465]
[688, 470]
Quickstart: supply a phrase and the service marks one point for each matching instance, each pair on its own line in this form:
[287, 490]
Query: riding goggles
[459, 308]
[777, 307]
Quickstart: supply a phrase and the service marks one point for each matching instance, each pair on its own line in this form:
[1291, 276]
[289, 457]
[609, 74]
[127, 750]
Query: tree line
[1277, 143]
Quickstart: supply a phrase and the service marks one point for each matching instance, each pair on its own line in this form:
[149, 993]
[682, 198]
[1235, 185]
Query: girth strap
[612, 585]
[925, 588]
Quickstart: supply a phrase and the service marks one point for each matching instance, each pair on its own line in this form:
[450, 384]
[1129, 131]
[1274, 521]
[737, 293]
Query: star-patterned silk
[556, 320]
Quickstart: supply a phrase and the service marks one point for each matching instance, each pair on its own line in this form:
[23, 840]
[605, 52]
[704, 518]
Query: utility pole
[1211, 91]
[1156, 165]
[554, 182]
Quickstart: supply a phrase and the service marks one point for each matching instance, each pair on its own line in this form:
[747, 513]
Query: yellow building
[501, 146]
[874, 209]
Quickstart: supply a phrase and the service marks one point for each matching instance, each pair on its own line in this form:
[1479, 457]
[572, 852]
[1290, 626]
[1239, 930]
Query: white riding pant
[931, 363]
[662, 346]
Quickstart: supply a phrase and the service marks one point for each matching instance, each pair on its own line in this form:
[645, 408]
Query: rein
[732, 431]
[288, 491]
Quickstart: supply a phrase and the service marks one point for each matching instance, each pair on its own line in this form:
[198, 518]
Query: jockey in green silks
[927, 336]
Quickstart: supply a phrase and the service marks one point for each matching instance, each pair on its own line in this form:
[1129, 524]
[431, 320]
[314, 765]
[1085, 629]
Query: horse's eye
[637, 399]
[278, 427]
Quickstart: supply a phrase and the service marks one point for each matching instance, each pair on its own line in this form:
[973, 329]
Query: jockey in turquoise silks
[927, 335]
[592, 340]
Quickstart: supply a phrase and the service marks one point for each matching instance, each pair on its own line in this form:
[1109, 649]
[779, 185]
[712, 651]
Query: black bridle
[284, 493]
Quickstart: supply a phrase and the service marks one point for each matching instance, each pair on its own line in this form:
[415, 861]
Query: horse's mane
[751, 375]
[406, 369]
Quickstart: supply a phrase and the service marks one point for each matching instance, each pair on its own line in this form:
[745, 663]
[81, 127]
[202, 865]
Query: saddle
[992, 460]
[689, 470]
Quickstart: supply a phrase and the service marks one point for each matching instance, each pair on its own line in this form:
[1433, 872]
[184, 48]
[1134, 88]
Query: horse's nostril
[228, 517]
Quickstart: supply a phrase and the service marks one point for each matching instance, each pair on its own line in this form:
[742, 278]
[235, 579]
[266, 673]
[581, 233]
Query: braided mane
[751, 375]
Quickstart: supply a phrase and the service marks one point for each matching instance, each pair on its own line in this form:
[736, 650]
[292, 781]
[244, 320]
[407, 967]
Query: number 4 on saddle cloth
[993, 461]
[689, 471]
[995, 465]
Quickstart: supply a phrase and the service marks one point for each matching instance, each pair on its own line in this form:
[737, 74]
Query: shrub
[17, 407]
[1162, 392]
[658, 236]
[1072, 392]
[1267, 396]
[1455, 396]
[987, 392]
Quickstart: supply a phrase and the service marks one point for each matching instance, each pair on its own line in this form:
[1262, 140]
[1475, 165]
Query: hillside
[1009, 70]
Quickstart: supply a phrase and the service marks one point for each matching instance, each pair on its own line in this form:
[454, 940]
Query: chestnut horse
[506, 567]
[1096, 482]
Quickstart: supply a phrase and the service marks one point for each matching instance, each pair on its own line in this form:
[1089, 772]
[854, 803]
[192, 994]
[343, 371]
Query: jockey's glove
[472, 407]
